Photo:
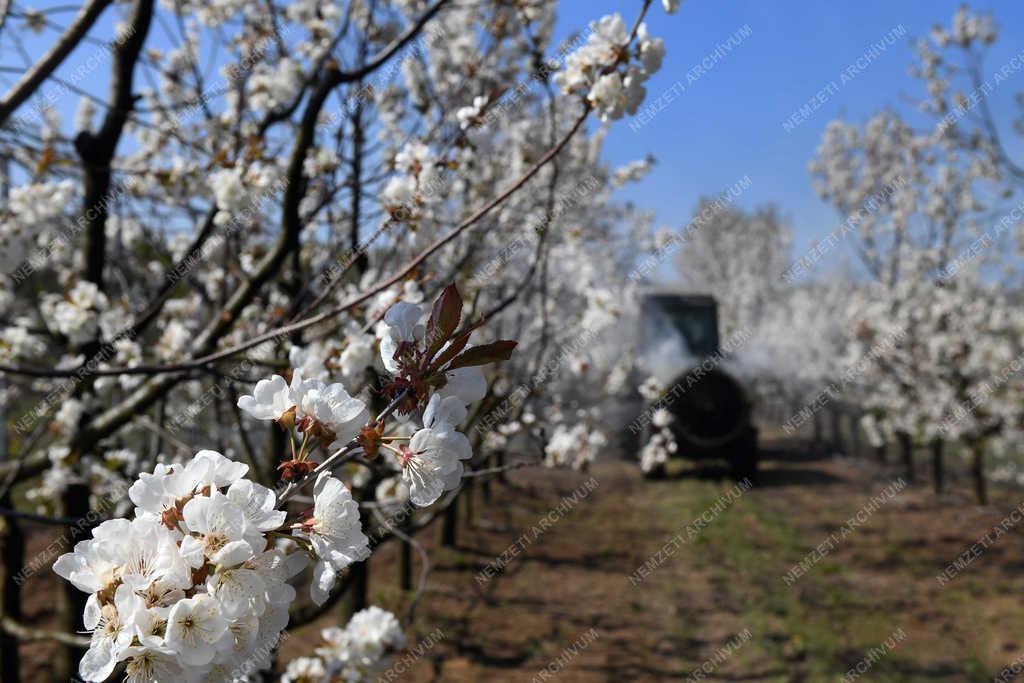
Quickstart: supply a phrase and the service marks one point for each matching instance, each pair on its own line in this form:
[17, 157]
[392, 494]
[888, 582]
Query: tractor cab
[693, 317]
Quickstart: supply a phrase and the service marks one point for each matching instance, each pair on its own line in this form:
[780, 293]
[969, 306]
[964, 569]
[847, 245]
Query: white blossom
[194, 627]
[432, 462]
[272, 398]
[335, 533]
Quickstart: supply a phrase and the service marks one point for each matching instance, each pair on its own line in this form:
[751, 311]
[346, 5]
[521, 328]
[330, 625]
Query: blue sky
[729, 123]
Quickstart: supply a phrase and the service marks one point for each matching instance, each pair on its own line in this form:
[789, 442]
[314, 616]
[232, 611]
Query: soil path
[686, 579]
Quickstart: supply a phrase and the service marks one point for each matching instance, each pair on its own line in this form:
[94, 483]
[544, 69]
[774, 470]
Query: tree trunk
[907, 450]
[405, 551]
[467, 494]
[499, 458]
[277, 446]
[978, 473]
[837, 430]
[880, 453]
[938, 475]
[71, 601]
[485, 485]
[818, 429]
[356, 590]
[356, 217]
[12, 559]
[449, 524]
[405, 566]
[855, 445]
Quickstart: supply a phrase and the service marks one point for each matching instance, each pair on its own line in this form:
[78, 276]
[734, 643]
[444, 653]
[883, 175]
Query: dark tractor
[712, 412]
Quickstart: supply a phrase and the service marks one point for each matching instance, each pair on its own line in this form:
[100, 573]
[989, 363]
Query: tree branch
[27, 634]
[41, 70]
[326, 315]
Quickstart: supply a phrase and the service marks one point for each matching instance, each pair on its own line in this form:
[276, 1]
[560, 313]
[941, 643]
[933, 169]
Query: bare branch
[27, 634]
[42, 69]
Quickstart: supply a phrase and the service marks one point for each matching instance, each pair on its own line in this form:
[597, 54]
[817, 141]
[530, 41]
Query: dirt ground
[714, 603]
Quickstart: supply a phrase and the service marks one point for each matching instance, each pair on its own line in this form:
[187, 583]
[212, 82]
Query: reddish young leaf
[458, 343]
[487, 353]
[444, 318]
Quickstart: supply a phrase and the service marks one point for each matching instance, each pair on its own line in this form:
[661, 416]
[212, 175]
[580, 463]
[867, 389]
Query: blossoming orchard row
[920, 338]
[213, 300]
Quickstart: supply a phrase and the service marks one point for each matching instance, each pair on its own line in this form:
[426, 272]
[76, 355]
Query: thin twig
[519, 464]
[42, 69]
[26, 634]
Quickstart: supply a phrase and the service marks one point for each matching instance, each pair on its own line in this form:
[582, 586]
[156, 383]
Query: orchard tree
[933, 225]
[249, 269]
[740, 257]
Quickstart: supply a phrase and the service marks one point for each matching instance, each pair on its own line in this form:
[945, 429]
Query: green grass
[815, 629]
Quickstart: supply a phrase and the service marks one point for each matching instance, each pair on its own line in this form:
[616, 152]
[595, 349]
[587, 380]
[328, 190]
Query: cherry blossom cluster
[77, 315]
[194, 585]
[661, 445]
[356, 653]
[947, 369]
[966, 29]
[237, 173]
[321, 412]
[608, 72]
[927, 339]
[415, 183]
[435, 368]
[576, 446]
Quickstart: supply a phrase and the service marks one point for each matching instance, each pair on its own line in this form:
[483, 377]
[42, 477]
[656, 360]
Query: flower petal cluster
[607, 72]
[76, 316]
[330, 358]
[415, 182]
[335, 532]
[272, 398]
[190, 589]
[432, 356]
[357, 653]
[196, 585]
[326, 409]
[401, 326]
[469, 116]
[662, 444]
[575, 446]
[432, 462]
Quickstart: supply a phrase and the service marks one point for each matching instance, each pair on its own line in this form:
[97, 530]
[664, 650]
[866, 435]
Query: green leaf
[484, 354]
[444, 318]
